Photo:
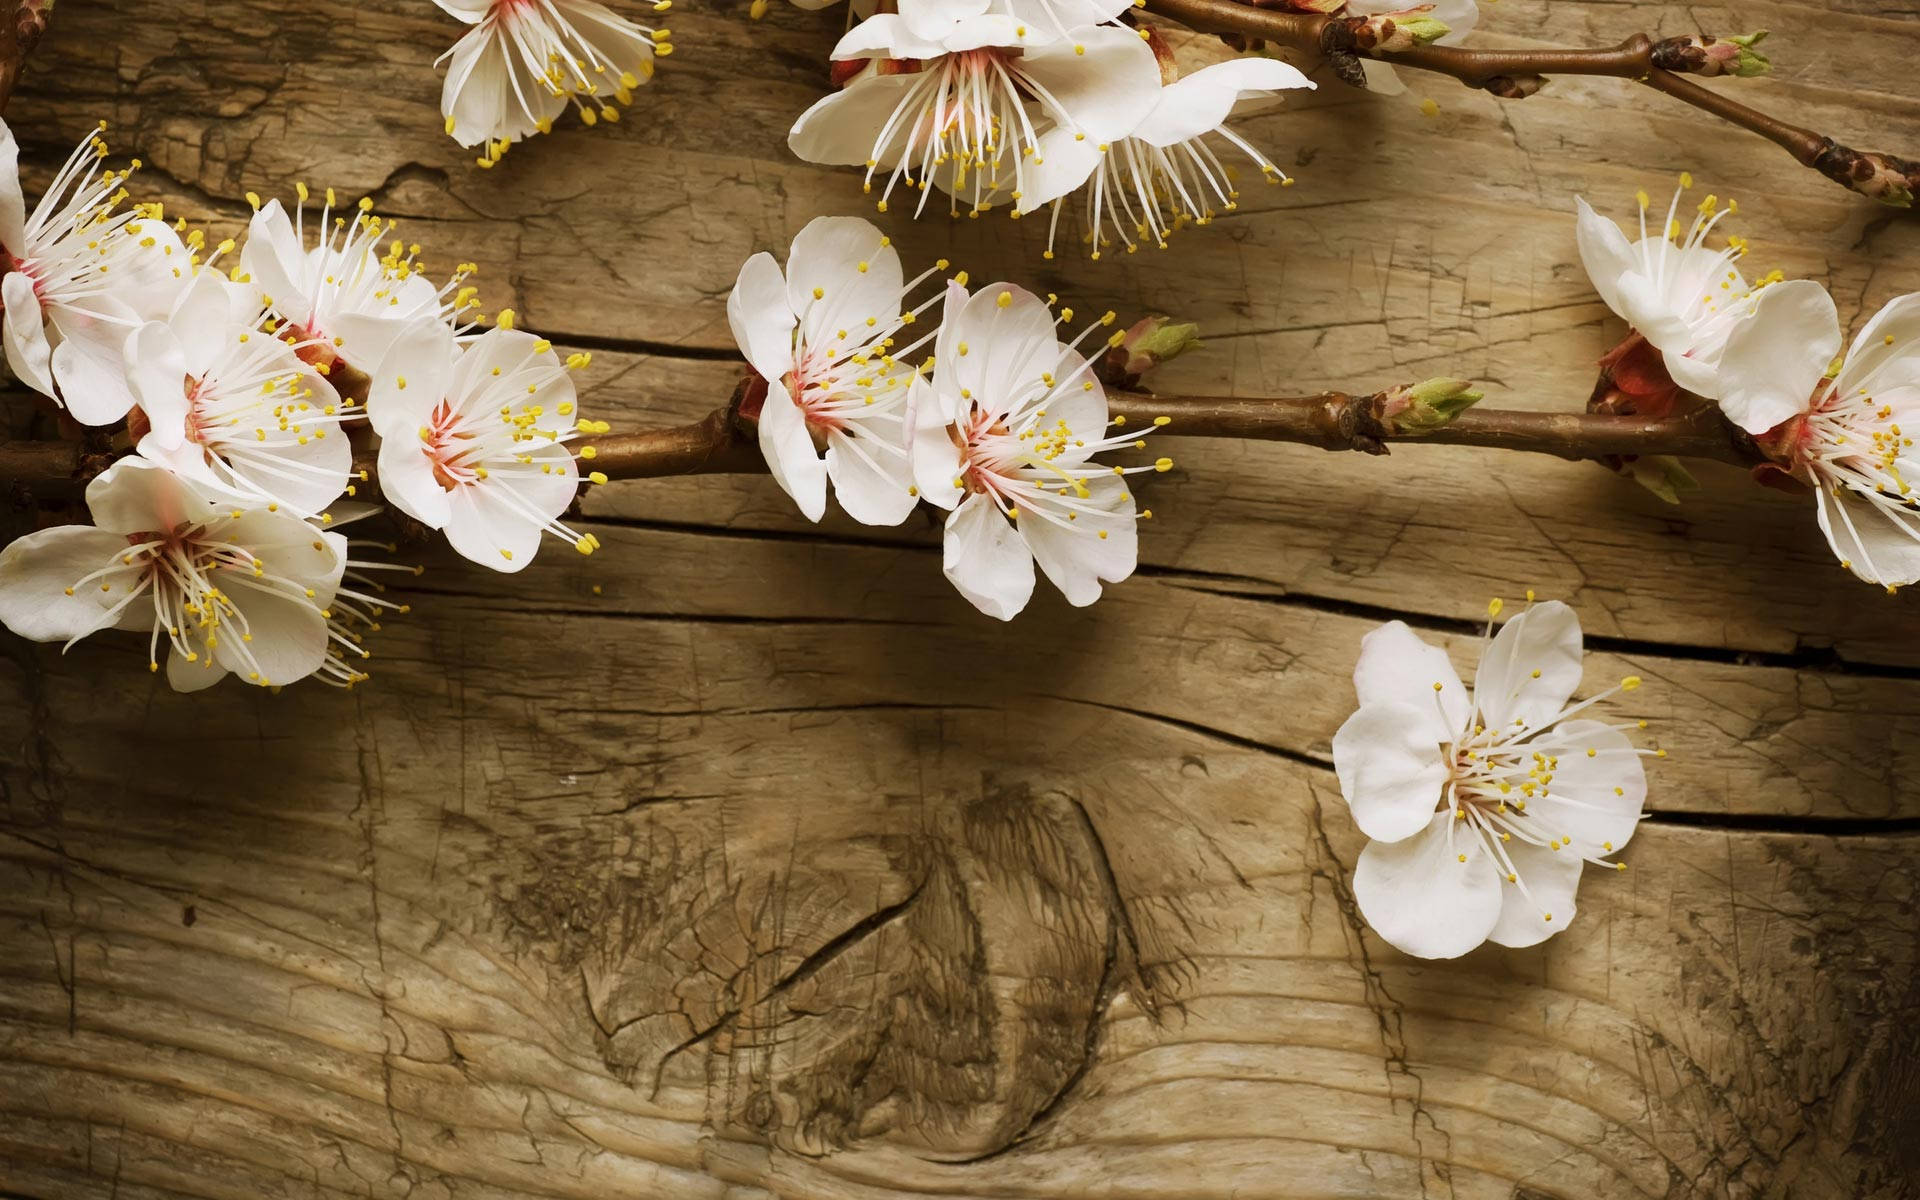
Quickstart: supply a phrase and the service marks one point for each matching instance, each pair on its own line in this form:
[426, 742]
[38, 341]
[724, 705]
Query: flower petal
[1391, 769]
[410, 380]
[1196, 103]
[37, 570]
[408, 483]
[28, 351]
[137, 496]
[853, 268]
[92, 376]
[1877, 539]
[1531, 668]
[985, 557]
[843, 128]
[156, 369]
[1061, 162]
[936, 459]
[934, 19]
[1102, 80]
[1101, 542]
[760, 317]
[792, 458]
[1000, 350]
[1605, 252]
[1775, 358]
[1396, 666]
[13, 203]
[195, 676]
[1545, 907]
[1886, 351]
[1595, 799]
[1419, 896]
[273, 259]
[872, 478]
[201, 320]
[289, 636]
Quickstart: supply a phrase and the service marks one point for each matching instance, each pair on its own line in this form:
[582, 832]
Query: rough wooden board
[770, 869]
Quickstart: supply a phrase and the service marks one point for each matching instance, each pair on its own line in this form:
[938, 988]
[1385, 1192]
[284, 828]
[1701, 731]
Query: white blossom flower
[1459, 16]
[1847, 429]
[344, 298]
[236, 408]
[1482, 806]
[473, 440]
[970, 117]
[1678, 293]
[822, 337]
[525, 61]
[226, 590]
[1005, 436]
[1163, 174]
[80, 275]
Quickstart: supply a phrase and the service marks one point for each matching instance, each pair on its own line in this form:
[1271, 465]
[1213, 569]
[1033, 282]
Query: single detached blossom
[343, 298]
[1005, 436]
[1845, 430]
[1482, 806]
[80, 275]
[1675, 290]
[1459, 16]
[227, 590]
[822, 336]
[525, 61]
[473, 440]
[234, 408]
[968, 115]
[1162, 175]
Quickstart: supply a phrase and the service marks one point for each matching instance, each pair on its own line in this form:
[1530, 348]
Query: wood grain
[744, 860]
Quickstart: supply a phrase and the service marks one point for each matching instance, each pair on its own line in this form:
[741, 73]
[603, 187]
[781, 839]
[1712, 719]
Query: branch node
[1514, 87]
[1884, 177]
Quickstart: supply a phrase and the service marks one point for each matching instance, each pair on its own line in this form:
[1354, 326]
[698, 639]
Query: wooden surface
[744, 860]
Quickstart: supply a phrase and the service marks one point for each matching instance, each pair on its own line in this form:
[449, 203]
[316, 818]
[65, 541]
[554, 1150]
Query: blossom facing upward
[1670, 286]
[1845, 430]
[473, 441]
[961, 118]
[1162, 175]
[525, 62]
[343, 298]
[235, 408]
[1483, 806]
[1005, 435]
[81, 273]
[226, 590]
[823, 337]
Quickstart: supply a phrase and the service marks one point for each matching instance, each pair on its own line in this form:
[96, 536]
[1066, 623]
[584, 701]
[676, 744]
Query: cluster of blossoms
[1769, 354]
[999, 425]
[242, 392]
[1483, 806]
[1023, 103]
[525, 62]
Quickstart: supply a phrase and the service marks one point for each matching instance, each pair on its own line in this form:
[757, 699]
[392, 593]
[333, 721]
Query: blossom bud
[1424, 407]
[1883, 177]
[1150, 342]
[1396, 31]
[1700, 54]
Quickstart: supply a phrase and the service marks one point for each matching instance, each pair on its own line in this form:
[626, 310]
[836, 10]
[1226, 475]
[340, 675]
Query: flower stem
[1515, 74]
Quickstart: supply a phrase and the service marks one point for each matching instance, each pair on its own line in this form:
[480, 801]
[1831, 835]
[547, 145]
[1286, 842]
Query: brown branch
[1514, 74]
[21, 24]
[722, 443]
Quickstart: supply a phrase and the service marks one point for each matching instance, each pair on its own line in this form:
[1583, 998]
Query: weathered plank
[745, 860]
